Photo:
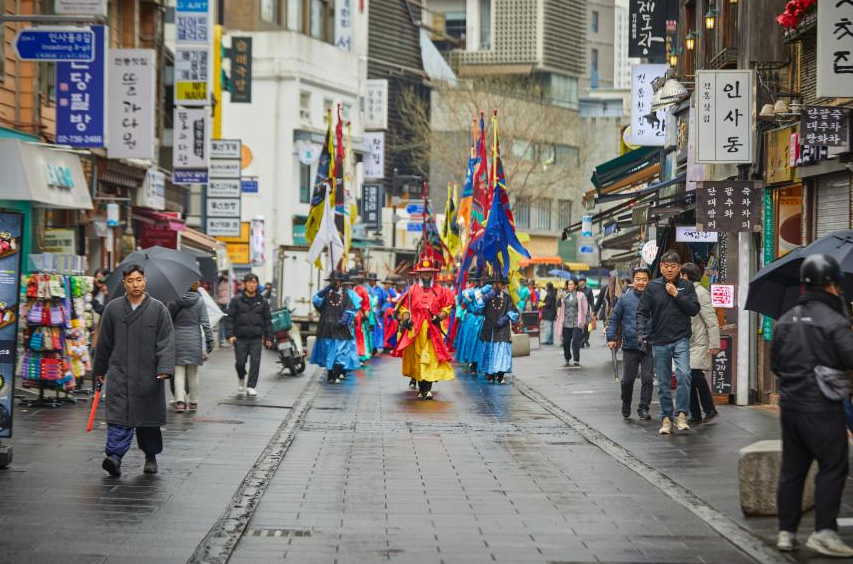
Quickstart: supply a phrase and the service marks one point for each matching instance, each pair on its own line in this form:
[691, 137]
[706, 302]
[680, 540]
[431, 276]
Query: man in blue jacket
[636, 356]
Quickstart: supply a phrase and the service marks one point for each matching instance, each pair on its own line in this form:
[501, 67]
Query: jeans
[644, 363]
[805, 437]
[149, 439]
[679, 353]
[547, 332]
[700, 393]
[848, 413]
[572, 337]
[248, 349]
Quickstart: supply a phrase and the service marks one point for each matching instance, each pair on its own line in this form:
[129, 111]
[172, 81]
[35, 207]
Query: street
[540, 470]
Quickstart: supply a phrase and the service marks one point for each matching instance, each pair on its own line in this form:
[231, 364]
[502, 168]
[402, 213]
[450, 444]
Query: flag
[432, 237]
[339, 199]
[468, 187]
[481, 176]
[349, 207]
[450, 230]
[327, 237]
[500, 235]
[325, 171]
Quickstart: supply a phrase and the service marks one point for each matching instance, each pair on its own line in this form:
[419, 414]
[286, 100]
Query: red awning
[169, 219]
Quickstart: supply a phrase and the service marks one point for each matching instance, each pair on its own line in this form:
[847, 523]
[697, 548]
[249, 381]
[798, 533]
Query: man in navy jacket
[636, 357]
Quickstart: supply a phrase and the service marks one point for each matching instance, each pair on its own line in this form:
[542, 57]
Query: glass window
[299, 230]
[270, 11]
[346, 111]
[566, 155]
[305, 105]
[593, 68]
[304, 184]
[563, 90]
[485, 24]
[454, 24]
[322, 19]
[522, 213]
[595, 22]
[564, 213]
[543, 215]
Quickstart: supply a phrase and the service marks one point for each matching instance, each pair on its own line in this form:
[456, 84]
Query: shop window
[564, 213]
[270, 11]
[522, 213]
[304, 184]
[543, 215]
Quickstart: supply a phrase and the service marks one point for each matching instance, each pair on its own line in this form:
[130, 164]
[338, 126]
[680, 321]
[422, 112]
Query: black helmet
[820, 270]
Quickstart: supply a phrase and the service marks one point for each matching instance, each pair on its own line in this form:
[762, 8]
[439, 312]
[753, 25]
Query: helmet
[820, 270]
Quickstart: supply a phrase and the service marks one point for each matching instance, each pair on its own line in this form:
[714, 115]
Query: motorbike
[288, 342]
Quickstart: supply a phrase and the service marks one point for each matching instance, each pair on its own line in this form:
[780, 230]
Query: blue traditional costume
[334, 348]
[496, 335]
[378, 298]
[469, 350]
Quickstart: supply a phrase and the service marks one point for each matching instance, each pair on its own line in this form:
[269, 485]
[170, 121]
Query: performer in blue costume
[378, 297]
[496, 334]
[474, 306]
[335, 346]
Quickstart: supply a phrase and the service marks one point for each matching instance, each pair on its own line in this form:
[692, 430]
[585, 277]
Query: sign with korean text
[825, 126]
[726, 118]
[647, 28]
[647, 128]
[258, 241]
[190, 151]
[154, 189]
[241, 70]
[192, 75]
[768, 255]
[53, 44]
[721, 371]
[12, 228]
[61, 241]
[374, 163]
[223, 207]
[343, 24]
[130, 107]
[729, 206]
[225, 148]
[690, 234]
[81, 98]
[193, 21]
[225, 168]
[80, 7]
[249, 185]
[223, 187]
[376, 105]
[371, 206]
[223, 227]
[834, 48]
[723, 296]
[238, 253]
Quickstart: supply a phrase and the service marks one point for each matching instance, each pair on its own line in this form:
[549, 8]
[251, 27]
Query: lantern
[711, 18]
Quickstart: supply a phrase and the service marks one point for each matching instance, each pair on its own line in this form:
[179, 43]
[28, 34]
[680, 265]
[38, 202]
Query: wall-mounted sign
[647, 128]
[249, 185]
[224, 227]
[649, 252]
[130, 107]
[647, 28]
[241, 70]
[81, 97]
[61, 241]
[834, 49]
[343, 24]
[223, 207]
[154, 189]
[80, 7]
[193, 19]
[257, 241]
[374, 163]
[226, 149]
[192, 75]
[726, 116]
[690, 234]
[225, 168]
[376, 104]
[48, 44]
[59, 176]
[223, 187]
[723, 296]
[721, 371]
[825, 126]
[371, 206]
[729, 206]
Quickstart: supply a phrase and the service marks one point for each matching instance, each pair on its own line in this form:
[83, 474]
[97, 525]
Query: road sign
[415, 208]
[54, 44]
[414, 227]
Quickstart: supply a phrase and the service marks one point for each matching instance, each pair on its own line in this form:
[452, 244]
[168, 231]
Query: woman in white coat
[704, 346]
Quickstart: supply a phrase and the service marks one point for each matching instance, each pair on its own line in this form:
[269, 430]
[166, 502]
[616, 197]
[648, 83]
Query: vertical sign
[81, 98]
[223, 190]
[371, 207]
[835, 48]
[729, 206]
[721, 371]
[193, 21]
[726, 116]
[154, 189]
[376, 105]
[257, 241]
[825, 126]
[11, 245]
[191, 132]
[769, 256]
[241, 70]
[192, 75]
[647, 128]
[647, 28]
[343, 24]
[130, 107]
[374, 164]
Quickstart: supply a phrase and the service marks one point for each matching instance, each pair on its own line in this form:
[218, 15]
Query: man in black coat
[664, 321]
[549, 314]
[816, 332]
[247, 323]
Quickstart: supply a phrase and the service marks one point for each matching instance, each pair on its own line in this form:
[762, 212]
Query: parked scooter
[288, 341]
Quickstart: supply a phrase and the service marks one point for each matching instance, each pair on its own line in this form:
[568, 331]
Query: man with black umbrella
[811, 338]
[247, 324]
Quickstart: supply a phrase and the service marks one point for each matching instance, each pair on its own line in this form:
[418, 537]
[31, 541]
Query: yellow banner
[238, 253]
[191, 91]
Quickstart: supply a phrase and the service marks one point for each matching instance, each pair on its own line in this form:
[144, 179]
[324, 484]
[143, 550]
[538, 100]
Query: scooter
[291, 356]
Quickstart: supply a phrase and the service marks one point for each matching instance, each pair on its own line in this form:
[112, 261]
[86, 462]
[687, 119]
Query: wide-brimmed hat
[371, 277]
[336, 276]
[355, 275]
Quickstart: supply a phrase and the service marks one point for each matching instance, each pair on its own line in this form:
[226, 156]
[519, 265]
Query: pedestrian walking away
[335, 348]
[189, 318]
[664, 320]
[135, 354]
[248, 327]
[812, 341]
[704, 346]
[590, 314]
[637, 356]
[496, 335]
[549, 314]
[575, 310]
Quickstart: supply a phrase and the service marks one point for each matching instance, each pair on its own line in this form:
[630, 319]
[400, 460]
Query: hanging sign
[192, 75]
[371, 206]
[649, 252]
[723, 296]
[343, 24]
[11, 245]
[834, 49]
[241, 70]
[130, 107]
[60, 241]
[586, 226]
[154, 189]
[257, 241]
[223, 187]
[374, 163]
[81, 97]
[690, 234]
[80, 7]
[824, 126]
[376, 104]
[647, 128]
[193, 19]
[647, 28]
[726, 117]
[190, 154]
[729, 206]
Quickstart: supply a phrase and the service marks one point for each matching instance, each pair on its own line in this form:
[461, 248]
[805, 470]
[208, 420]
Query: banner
[130, 108]
[376, 104]
[726, 116]
[647, 29]
[647, 129]
[241, 70]
[80, 98]
[11, 245]
[371, 207]
[374, 163]
[190, 152]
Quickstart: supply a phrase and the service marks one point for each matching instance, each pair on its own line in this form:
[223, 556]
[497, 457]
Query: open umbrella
[169, 273]
[776, 288]
[564, 274]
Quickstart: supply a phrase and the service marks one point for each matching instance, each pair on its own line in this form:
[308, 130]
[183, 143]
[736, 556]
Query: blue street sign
[81, 97]
[190, 176]
[415, 208]
[586, 249]
[249, 185]
[52, 44]
[414, 227]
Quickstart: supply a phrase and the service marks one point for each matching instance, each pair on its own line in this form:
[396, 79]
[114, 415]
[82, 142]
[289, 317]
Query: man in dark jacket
[590, 300]
[549, 314]
[636, 357]
[664, 319]
[816, 332]
[248, 321]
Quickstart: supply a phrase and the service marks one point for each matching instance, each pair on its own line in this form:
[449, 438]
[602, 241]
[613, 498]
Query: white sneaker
[241, 387]
[666, 426]
[828, 543]
[681, 422]
[251, 392]
[787, 542]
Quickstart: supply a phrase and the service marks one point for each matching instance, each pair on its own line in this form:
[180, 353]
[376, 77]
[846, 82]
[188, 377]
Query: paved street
[541, 470]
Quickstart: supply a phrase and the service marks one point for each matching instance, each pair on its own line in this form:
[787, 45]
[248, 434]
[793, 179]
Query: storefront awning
[47, 177]
[625, 170]
[557, 261]
[200, 241]
[166, 220]
[604, 198]
[625, 240]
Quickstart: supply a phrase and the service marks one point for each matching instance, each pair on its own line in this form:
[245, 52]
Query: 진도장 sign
[647, 28]
[723, 296]
[729, 206]
[825, 126]
[834, 48]
[647, 128]
[130, 107]
[81, 97]
[53, 44]
[726, 119]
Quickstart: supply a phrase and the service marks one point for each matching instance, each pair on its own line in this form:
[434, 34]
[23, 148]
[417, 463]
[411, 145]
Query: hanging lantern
[690, 40]
[711, 18]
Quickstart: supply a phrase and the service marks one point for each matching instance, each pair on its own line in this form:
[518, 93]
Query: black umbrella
[169, 273]
[206, 265]
[776, 288]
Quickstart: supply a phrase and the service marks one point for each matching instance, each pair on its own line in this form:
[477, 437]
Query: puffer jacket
[625, 316]
[706, 331]
[813, 333]
[189, 318]
[248, 318]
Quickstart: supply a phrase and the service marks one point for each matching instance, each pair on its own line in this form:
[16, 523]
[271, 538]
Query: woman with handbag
[189, 318]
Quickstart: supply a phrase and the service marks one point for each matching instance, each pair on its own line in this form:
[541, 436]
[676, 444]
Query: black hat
[371, 277]
[820, 270]
[498, 277]
[336, 276]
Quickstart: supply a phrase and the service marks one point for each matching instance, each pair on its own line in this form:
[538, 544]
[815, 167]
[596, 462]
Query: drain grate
[279, 533]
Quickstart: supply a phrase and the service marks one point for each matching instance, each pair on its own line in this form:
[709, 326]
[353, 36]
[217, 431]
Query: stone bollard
[520, 344]
[758, 477]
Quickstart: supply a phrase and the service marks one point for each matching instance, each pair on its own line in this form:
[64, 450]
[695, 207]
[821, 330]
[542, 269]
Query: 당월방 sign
[726, 118]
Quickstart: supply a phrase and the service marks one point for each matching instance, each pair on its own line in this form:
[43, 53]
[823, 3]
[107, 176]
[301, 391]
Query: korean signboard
[690, 234]
[154, 189]
[223, 207]
[723, 296]
[223, 227]
[647, 128]
[835, 48]
[193, 20]
[80, 98]
[80, 7]
[343, 24]
[223, 190]
[721, 371]
[11, 248]
[824, 126]
[257, 241]
[61, 241]
[371, 207]
[191, 131]
[374, 163]
[130, 107]
[647, 28]
[726, 118]
[192, 75]
[376, 105]
[729, 206]
[241, 70]
[225, 148]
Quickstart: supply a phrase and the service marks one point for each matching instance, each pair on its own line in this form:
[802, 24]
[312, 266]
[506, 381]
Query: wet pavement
[541, 470]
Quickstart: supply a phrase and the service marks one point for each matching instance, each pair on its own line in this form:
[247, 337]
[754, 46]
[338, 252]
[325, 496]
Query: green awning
[6, 133]
[613, 170]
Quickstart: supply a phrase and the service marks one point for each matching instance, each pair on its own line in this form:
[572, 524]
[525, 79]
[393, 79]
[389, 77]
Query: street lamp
[690, 40]
[673, 56]
[711, 18]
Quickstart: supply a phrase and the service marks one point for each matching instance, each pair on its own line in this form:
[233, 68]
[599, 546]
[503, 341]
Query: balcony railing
[725, 59]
